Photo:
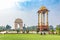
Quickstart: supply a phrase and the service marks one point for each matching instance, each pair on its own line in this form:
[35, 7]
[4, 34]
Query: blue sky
[27, 10]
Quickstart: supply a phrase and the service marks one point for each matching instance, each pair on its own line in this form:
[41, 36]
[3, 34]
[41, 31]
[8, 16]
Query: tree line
[31, 28]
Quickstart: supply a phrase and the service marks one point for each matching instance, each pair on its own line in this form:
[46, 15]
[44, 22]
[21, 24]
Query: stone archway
[19, 22]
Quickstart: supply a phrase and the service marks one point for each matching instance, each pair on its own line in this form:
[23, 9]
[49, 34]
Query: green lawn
[28, 37]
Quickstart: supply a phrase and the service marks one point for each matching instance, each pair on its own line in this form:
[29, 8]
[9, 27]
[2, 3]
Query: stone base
[44, 28]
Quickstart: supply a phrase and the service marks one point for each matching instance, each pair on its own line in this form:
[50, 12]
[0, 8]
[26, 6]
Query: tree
[38, 30]
[34, 28]
[27, 29]
[51, 28]
[8, 27]
[2, 28]
[24, 29]
[58, 28]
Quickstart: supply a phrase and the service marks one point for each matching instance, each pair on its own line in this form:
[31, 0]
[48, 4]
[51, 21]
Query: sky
[27, 11]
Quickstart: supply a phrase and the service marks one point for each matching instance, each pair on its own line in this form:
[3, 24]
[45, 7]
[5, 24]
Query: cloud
[37, 3]
[9, 3]
[6, 4]
[23, 0]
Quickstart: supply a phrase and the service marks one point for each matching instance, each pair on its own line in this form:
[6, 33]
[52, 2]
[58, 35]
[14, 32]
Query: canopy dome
[43, 9]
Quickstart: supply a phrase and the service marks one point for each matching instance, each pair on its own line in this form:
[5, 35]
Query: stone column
[21, 26]
[41, 22]
[15, 26]
[47, 18]
[38, 20]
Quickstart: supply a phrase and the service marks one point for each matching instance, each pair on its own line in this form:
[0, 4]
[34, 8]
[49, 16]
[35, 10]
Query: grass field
[28, 37]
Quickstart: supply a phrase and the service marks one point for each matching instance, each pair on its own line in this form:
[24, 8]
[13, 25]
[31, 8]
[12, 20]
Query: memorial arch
[19, 22]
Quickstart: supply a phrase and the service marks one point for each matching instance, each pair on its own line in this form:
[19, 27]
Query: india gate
[43, 19]
[19, 22]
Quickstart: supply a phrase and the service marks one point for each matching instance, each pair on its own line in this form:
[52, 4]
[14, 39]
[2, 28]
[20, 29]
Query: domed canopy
[42, 9]
[18, 20]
